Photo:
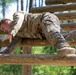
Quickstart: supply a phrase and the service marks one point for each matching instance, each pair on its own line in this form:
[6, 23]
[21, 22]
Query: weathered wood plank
[34, 42]
[54, 8]
[66, 15]
[29, 59]
[49, 2]
[68, 26]
[39, 42]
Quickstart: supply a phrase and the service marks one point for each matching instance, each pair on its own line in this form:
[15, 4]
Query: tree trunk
[22, 5]
[3, 7]
[17, 5]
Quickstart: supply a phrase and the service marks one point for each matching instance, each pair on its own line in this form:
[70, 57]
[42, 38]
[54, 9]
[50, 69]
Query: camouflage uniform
[69, 36]
[42, 25]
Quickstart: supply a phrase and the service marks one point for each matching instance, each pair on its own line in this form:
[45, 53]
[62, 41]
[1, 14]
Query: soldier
[28, 25]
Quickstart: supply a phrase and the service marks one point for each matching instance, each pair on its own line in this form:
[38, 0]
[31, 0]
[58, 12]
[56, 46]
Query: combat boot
[62, 45]
[66, 50]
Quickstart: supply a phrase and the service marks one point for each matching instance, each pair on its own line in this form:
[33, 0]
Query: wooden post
[26, 69]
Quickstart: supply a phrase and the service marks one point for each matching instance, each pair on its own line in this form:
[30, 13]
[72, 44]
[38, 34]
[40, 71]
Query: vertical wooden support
[27, 70]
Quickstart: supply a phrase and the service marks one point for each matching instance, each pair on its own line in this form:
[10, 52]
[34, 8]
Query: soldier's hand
[7, 37]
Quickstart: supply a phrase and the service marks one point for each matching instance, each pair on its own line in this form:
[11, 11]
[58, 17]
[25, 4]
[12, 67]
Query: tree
[4, 4]
[22, 5]
[17, 5]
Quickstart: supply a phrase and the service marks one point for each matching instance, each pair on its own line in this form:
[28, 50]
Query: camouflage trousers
[51, 29]
[69, 36]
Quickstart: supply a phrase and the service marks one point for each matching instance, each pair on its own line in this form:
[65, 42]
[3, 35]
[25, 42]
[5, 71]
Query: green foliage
[10, 69]
[53, 70]
[18, 51]
[37, 50]
[49, 50]
[44, 50]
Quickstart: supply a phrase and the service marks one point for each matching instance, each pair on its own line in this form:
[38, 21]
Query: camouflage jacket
[28, 25]
[25, 24]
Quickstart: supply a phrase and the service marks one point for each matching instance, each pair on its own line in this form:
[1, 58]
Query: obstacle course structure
[58, 7]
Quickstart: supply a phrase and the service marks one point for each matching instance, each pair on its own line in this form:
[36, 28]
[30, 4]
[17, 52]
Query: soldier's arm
[12, 46]
[18, 18]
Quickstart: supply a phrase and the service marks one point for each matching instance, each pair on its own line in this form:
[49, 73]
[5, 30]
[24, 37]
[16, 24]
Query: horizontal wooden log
[68, 26]
[50, 2]
[39, 42]
[34, 42]
[66, 15]
[54, 8]
[29, 42]
[29, 59]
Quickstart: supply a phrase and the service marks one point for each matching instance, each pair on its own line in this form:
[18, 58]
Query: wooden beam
[28, 42]
[39, 42]
[54, 8]
[38, 59]
[34, 42]
[68, 26]
[49, 2]
[66, 15]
